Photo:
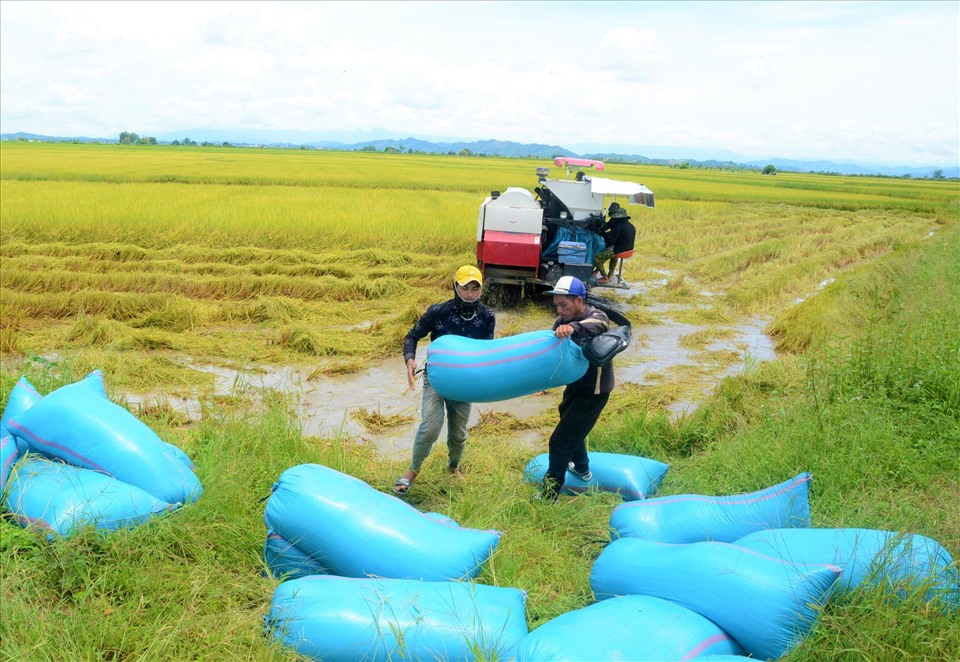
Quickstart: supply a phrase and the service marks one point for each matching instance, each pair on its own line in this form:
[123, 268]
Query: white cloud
[756, 67]
[811, 79]
[626, 40]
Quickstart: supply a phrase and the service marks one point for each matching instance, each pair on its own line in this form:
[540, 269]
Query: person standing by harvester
[584, 399]
[463, 315]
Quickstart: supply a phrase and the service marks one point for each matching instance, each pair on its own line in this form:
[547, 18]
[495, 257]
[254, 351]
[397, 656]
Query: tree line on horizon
[132, 138]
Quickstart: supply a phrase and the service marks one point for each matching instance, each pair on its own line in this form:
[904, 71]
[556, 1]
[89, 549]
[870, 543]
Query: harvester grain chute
[527, 240]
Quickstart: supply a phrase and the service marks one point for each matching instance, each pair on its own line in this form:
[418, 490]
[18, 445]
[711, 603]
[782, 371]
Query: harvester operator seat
[621, 257]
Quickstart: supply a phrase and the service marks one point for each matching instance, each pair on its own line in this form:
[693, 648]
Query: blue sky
[872, 82]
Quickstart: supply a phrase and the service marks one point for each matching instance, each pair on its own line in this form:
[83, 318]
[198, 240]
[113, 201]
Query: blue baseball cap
[570, 286]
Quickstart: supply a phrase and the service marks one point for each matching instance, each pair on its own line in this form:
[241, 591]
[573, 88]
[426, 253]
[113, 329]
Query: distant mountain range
[609, 153]
[486, 147]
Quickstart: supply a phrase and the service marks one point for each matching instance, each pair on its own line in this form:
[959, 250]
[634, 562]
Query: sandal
[403, 483]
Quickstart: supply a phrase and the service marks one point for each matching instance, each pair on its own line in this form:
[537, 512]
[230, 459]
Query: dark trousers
[568, 443]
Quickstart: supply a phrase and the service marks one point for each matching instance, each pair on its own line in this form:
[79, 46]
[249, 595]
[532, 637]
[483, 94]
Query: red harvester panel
[509, 249]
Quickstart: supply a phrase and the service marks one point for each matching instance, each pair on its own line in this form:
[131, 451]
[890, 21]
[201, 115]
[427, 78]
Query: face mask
[467, 310]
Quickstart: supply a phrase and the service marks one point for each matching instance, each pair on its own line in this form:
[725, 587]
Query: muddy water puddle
[658, 351]
[326, 405]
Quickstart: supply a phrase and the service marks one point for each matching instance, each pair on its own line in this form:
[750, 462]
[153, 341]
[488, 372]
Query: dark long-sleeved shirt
[445, 318]
[620, 235]
[592, 323]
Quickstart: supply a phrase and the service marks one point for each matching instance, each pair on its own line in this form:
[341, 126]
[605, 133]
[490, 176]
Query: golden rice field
[130, 258]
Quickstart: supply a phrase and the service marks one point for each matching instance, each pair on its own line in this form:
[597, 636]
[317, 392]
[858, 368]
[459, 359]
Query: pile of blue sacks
[731, 577]
[74, 460]
[369, 576]
[685, 577]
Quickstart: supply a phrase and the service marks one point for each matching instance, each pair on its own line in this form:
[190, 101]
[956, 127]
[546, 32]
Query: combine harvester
[526, 241]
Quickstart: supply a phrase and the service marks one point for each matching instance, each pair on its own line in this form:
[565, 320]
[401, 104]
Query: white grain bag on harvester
[629, 627]
[631, 476]
[766, 604]
[900, 562]
[468, 370]
[338, 618]
[354, 530]
[684, 518]
[64, 499]
[78, 424]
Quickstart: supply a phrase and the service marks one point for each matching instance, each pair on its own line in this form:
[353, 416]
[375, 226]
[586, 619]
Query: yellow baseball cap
[467, 274]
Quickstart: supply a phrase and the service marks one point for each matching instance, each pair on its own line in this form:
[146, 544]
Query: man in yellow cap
[463, 315]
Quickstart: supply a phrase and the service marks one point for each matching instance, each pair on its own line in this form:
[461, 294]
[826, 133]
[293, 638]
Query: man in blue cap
[584, 399]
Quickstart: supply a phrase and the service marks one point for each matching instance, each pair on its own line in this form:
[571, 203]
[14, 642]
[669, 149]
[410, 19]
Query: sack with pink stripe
[685, 518]
[78, 424]
[767, 604]
[469, 370]
[628, 627]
